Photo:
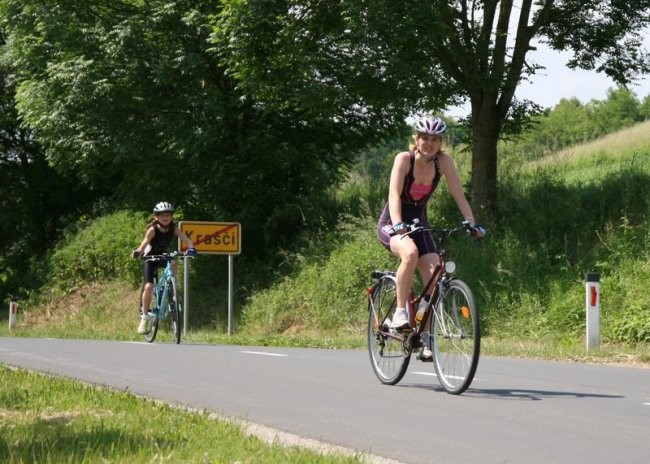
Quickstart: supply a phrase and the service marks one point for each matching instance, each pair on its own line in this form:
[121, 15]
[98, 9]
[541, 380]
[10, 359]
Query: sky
[556, 82]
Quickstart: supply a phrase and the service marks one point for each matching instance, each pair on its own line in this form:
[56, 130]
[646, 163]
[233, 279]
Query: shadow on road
[531, 395]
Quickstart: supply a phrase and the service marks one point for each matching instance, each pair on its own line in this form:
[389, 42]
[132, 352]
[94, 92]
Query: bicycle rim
[174, 312]
[456, 338]
[151, 335]
[388, 356]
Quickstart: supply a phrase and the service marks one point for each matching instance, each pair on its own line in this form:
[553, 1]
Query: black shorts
[423, 239]
[150, 270]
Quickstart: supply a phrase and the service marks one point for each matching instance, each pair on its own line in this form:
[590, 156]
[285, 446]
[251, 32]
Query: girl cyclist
[160, 232]
[413, 179]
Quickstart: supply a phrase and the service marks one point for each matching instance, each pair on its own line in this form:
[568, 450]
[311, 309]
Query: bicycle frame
[437, 278]
[160, 290]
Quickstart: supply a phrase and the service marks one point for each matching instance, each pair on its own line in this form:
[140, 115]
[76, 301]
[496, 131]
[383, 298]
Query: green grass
[49, 420]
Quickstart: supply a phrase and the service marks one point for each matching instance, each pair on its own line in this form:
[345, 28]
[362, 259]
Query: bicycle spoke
[386, 347]
[456, 338]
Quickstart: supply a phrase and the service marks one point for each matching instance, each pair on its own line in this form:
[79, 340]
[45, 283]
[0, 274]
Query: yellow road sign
[222, 238]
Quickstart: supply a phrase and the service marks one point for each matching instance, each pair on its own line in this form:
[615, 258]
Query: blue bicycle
[165, 301]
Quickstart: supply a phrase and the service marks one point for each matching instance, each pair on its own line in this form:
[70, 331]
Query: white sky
[550, 85]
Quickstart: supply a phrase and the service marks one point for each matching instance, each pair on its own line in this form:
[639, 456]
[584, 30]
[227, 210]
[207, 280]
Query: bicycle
[450, 322]
[165, 297]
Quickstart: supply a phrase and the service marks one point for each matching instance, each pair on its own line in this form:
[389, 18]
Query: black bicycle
[449, 325]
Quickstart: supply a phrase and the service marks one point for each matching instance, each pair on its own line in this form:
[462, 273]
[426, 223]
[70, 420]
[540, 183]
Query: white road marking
[646, 404]
[424, 373]
[433, 374]
[265, 353]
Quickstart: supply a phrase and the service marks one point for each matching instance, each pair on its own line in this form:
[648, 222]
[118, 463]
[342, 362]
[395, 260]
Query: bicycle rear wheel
[456, 337]
[174, 311]
[388, 355]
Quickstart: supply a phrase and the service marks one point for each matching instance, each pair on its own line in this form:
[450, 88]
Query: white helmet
[163, 207]
[429, 125]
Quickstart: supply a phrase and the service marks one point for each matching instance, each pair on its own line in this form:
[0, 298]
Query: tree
[133, 97]
[34, 198]
[422, 55]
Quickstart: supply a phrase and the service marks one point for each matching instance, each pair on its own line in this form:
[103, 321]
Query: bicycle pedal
[403, 329]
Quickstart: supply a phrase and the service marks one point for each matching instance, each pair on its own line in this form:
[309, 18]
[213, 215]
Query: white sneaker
[401, 320]
[425, 355]
[143, 327]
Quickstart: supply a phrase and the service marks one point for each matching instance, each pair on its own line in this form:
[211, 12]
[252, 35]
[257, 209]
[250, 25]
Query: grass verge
[46, 419]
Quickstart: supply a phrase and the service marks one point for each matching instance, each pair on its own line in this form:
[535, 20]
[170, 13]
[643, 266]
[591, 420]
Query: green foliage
[97, 250]
[557, 222]
[327, 294]
[571, 123]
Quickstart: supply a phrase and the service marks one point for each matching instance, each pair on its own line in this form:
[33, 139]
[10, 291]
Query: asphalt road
[516, 411]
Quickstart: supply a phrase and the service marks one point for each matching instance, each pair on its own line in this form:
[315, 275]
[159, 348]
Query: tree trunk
[485, 135]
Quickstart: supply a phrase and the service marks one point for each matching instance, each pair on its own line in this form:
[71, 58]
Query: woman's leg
[426, 265]
[406, 250]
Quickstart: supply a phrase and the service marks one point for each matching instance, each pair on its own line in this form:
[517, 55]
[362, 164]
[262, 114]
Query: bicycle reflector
[450, 266]
[464, 310]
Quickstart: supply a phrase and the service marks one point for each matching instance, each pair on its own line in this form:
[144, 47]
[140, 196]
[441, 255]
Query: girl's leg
[146, 296]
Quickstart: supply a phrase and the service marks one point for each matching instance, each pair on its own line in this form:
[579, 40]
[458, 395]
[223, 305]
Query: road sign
[219, 238]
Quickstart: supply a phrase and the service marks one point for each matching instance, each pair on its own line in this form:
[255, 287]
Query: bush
[100, 249]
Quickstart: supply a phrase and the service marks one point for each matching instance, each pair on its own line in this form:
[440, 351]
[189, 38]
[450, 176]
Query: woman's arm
[397, 174]
[455, 187]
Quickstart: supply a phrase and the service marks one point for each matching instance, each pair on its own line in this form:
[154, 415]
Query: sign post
[592, 303]
[13, 308]
[217, 238]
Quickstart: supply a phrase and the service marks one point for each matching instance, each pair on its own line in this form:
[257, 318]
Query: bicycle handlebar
[167, 256]
[415, 226]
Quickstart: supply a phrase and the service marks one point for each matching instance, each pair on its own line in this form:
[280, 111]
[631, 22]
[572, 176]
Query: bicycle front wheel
[456, 337]
[388, 355]
[174, 311]
[153, 331]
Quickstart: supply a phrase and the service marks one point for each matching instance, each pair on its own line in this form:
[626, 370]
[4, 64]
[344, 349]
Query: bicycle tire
[174, 311]
[388, 355]
[151, 335]
[456, 337]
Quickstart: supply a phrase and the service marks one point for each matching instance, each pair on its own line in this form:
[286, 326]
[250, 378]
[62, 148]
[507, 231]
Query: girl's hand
[136, 254]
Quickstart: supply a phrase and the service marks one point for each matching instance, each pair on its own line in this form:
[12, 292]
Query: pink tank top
[418, 191]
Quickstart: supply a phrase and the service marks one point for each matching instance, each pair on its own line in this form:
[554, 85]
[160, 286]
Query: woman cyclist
[413, 179]
[160, 232]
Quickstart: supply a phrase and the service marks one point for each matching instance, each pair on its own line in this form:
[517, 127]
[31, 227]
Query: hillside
[583, 209]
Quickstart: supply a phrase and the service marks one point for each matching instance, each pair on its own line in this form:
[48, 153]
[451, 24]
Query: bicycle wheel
[388, 356]
[456, 337]
[151, 335]
[173, 306]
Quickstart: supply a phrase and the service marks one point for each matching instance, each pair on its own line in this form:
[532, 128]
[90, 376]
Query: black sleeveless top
[161, 240]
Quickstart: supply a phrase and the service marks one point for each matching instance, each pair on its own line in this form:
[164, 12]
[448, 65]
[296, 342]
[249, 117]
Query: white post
[592, 304]
[186, 293]
[13, 308]
[230, 279]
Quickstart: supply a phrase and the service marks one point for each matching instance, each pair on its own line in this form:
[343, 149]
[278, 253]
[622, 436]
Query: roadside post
[13, 308]
[216, 238]
[592, 304]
